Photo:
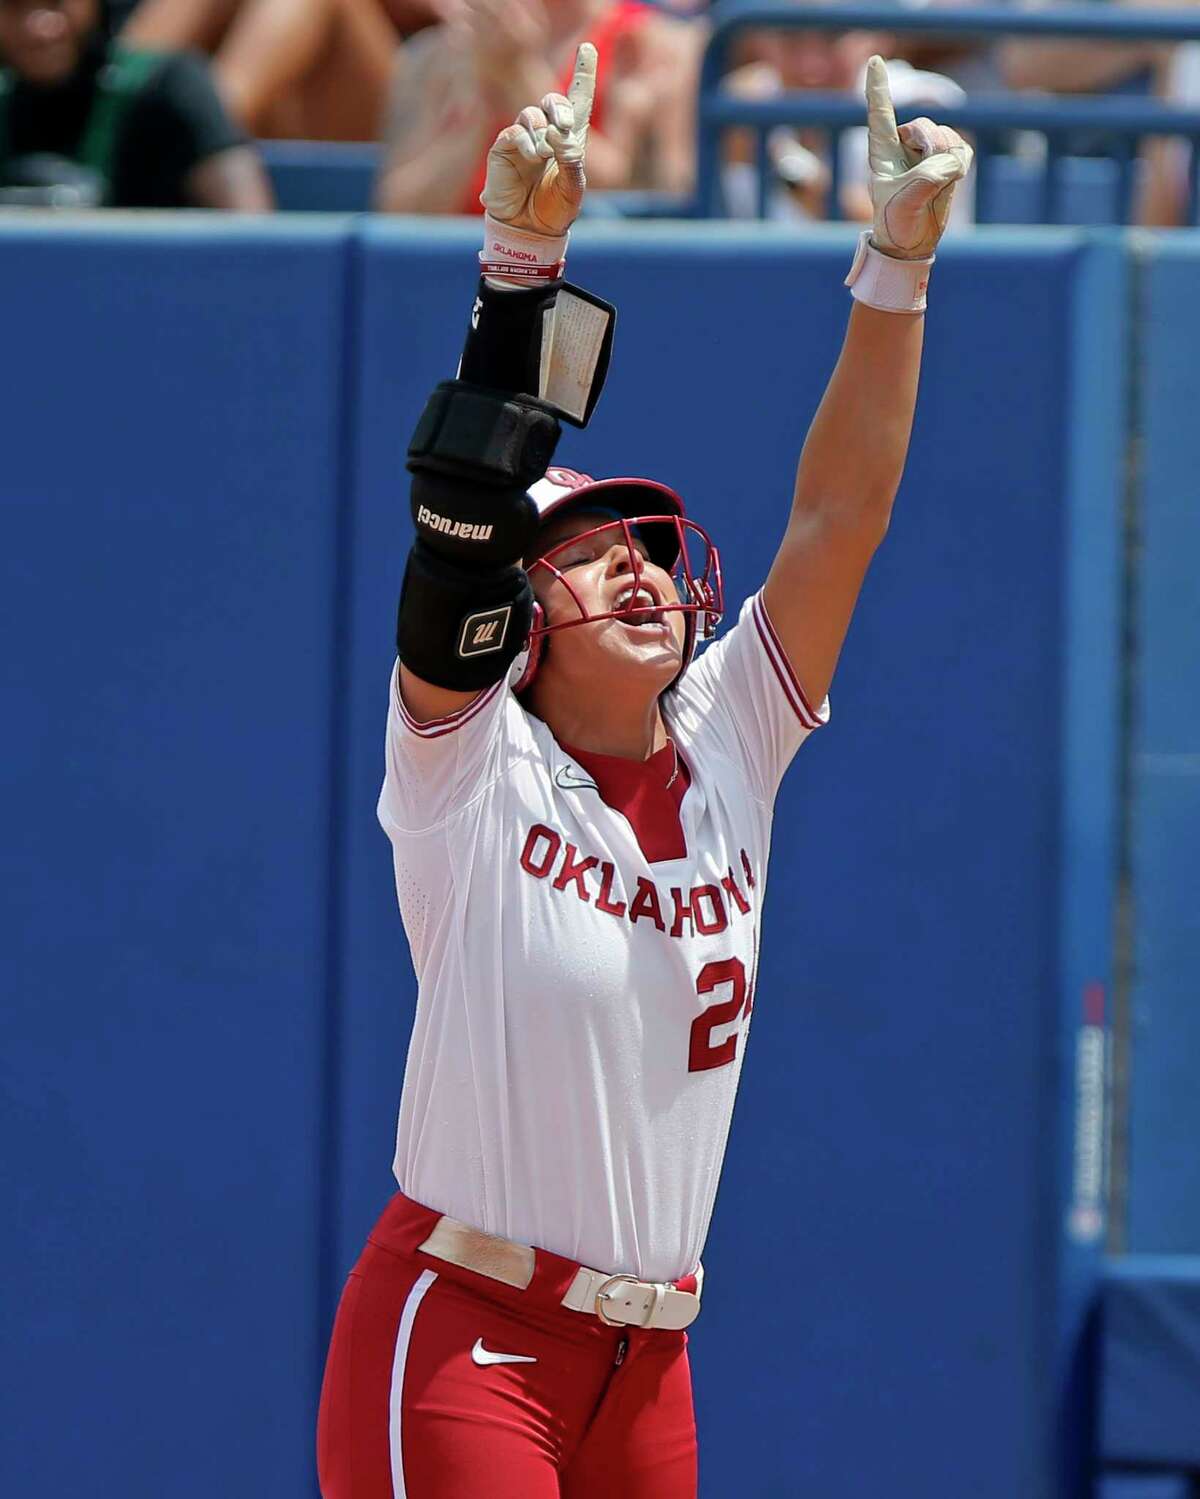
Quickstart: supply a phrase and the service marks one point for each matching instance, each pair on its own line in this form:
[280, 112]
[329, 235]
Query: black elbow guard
[473, 457]
[461, 627]
[466, 606]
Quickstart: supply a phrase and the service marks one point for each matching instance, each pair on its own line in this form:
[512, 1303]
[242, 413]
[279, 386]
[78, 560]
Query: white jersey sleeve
[742, 689]
[433, 769]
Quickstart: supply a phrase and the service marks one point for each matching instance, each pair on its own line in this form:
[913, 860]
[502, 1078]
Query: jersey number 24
[702, 1054]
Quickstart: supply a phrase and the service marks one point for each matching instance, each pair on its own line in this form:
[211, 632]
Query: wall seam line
[344, 476]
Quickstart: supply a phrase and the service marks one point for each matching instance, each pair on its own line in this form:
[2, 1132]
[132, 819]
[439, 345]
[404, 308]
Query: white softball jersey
[583, 1008]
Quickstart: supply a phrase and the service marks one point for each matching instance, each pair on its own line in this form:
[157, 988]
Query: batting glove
[913, 173]
[535, 181]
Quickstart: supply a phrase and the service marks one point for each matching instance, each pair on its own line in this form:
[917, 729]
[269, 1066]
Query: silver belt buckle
[606, 1293]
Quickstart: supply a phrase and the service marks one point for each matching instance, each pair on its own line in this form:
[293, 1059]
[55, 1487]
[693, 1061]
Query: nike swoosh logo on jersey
[484, 1356]
[565, 777]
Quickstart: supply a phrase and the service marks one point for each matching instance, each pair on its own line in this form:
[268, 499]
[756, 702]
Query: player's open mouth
[640, 606]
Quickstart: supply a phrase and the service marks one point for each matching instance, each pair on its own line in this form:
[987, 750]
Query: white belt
[623, 1300]
[619, 1300]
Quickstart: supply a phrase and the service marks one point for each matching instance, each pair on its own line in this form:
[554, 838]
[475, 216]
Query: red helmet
[644, 510]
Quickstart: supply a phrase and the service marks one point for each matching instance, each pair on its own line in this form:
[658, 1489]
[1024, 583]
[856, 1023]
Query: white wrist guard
[520, 257]
[884, 282]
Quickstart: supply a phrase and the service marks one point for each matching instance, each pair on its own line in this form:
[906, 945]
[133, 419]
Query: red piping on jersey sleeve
[434, 728]
[783, 667]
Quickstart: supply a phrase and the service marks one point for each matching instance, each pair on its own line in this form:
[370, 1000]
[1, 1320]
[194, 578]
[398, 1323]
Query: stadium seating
[991, 119]
[316, 176]
[1012, 189]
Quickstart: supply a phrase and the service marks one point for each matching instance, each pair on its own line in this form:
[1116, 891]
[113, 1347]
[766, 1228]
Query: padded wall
[170, 465]
[1164, 1172]
[1146, 1486]
[205, 979]
[1150, 1369]
[892, 1226]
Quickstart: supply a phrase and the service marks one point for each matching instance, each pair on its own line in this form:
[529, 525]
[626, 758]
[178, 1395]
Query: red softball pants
[414, 1406]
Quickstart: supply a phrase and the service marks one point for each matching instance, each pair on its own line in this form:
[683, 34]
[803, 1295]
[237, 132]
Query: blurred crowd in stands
[160, 103]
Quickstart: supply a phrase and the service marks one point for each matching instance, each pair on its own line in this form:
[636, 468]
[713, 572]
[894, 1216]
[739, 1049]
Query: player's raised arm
[854, 454]
[466, 606]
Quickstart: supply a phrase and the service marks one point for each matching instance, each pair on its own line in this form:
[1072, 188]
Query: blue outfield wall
[1146, 1486]
[207, 988]
[170, 463]
[1150, 1363]
[1164, 1197]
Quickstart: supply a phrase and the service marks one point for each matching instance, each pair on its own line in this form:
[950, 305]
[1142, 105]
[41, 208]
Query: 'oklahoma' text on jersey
[566, 978]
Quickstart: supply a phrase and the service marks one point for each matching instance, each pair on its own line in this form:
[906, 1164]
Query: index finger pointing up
[881, 113]
[582, 89]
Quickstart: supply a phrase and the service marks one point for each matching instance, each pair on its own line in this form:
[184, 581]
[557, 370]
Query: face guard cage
[697, 581]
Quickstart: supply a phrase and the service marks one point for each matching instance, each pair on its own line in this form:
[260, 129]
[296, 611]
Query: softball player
[580, 814]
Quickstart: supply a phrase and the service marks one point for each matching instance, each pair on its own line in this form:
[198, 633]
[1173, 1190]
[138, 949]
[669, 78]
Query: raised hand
[535, 169]
[913, 173]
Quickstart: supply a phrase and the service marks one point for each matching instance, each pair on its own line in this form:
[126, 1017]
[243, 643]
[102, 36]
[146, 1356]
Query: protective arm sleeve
[466, 606]
[504, 341]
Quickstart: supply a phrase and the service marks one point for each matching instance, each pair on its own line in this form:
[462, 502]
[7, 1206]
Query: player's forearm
[854, 454]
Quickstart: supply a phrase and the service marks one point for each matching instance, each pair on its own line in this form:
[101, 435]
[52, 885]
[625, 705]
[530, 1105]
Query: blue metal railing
[1125, 121]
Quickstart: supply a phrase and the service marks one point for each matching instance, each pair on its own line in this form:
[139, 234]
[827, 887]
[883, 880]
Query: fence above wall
[991, 119]
[1061, 187]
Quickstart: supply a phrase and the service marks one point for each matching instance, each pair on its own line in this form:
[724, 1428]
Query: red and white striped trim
[396, 1394]
[434, 728]
[535, 275]
[783, 667]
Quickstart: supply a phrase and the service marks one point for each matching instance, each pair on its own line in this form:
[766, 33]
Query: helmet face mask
[698, 593]
[679, 547]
